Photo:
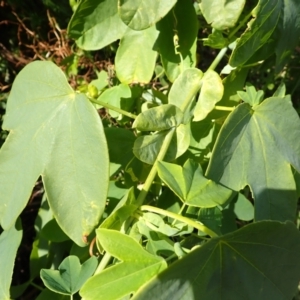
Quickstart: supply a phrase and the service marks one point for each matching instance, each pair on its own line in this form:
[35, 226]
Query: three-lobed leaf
[70, 276]
[137, 266]
[189, 184]
[255, 147]
[56, 133]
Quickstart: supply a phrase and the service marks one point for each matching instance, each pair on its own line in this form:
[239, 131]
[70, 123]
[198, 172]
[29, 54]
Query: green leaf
[243, 208]
[47, 294]
[211, 92]
[56, 133]
[222, 268]
[140, 15]
[96, 24]
[52, 232]
[255, 147]
[9, 242]
[189, 184]
[147, 147]
[183, 19]
[222, 14]
[157, 243]
[289, 34]
[124, 278]
[251, 96]
[158, 118]
[215, 40]
[118, 96]
[71, 275]
[266, 18]
[185, 87]
[135, 58]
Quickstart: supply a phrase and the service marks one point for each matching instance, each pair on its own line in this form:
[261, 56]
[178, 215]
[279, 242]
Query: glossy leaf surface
[124, 278]
[56, 133]
[255, 147]
[224, 267]
[141, 14]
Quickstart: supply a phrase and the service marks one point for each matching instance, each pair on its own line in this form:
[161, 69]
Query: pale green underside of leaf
[222, 14]
[158, 118]
[56, 133]
[147, 147]
[136, 268]
[211, 92]
[256, 148]
[224, 267]
[135, 58]
[141, 14]
[9, 242]
[96, 24]
[267, 15]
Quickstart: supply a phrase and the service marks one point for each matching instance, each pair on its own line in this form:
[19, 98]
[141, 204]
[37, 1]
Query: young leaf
[71, 275]
[9, 243]
[255, 147]
[158, 118]
[216, 40]
[266, 17]
[124, 278]
[56, 133]
[135, 58]
[96, 24]
[189, 184]
[251, 96]
[183, 19]
[222, 268]
[140, 15]
[211, 92]
[147, 147]
[222, 14]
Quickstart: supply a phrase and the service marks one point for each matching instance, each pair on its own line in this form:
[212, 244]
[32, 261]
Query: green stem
[224, 108]
[103, 263]
[218, 58]
[183, 219]
[179, 213]
[162, 152]
[117, 109]
[36, 286]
